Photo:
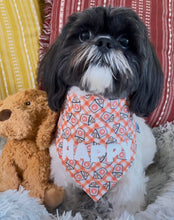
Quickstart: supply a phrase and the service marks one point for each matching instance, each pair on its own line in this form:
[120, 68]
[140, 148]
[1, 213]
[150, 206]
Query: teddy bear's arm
[9, 178]
[36, 175]
[36, 180]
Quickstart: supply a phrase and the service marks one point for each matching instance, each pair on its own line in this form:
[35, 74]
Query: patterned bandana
[96, 141]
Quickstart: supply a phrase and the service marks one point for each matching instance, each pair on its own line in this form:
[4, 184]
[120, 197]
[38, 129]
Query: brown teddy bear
[28, 123]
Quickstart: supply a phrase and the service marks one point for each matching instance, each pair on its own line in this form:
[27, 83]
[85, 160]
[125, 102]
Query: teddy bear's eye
[27, 103]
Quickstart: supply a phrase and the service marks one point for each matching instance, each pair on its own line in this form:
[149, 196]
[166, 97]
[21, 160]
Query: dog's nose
[104, 44]
[5, 114]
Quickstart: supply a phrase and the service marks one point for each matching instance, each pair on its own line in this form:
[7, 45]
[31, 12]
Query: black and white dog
[107, 52]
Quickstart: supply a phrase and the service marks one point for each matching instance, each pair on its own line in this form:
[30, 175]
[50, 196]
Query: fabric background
[20, 28]
[159, 19]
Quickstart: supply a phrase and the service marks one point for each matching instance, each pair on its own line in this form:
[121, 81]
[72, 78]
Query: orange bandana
[96, 141]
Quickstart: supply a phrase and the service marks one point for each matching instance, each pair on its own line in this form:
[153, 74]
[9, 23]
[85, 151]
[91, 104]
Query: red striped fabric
[44, 40]
[159, 19]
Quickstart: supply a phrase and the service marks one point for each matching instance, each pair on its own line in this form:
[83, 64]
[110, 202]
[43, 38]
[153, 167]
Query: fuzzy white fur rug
[17, 205]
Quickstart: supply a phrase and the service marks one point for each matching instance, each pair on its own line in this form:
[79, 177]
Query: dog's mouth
[101, 71]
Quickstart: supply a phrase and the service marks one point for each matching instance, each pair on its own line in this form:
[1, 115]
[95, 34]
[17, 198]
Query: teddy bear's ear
[46, 130]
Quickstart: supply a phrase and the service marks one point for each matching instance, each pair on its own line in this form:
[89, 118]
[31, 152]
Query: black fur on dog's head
[104, 51]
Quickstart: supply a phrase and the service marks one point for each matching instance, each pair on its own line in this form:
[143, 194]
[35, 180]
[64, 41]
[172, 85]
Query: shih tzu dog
[102, 74]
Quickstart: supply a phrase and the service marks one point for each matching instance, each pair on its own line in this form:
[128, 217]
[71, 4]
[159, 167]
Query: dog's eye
[27, 103]
[84, 36]
[124, 42]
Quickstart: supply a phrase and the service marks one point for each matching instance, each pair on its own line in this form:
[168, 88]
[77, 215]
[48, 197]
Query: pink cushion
[159, 19]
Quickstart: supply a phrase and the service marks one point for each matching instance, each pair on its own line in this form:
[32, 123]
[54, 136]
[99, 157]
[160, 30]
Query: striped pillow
[20, 27]
[159, 19]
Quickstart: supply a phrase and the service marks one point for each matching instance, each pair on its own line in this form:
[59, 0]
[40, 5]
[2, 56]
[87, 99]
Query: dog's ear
[52, 69]
[145, 99]
[50, 76]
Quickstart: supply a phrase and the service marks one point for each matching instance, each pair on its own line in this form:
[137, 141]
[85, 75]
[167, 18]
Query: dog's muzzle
[103, 66]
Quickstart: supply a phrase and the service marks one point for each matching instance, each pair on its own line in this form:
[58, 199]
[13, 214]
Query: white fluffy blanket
[17, 205]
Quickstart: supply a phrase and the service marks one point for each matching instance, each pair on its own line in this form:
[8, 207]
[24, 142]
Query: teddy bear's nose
[5, 114]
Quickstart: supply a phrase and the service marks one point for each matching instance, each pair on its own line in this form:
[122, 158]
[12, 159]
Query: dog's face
[104, 51]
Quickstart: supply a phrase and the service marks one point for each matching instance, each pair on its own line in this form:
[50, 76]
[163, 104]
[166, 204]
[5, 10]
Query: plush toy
[28, 124]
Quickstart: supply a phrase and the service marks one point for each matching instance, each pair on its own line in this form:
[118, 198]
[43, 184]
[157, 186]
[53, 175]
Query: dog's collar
[96, 141]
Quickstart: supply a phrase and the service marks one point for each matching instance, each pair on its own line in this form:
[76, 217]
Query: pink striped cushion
[159, 19]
